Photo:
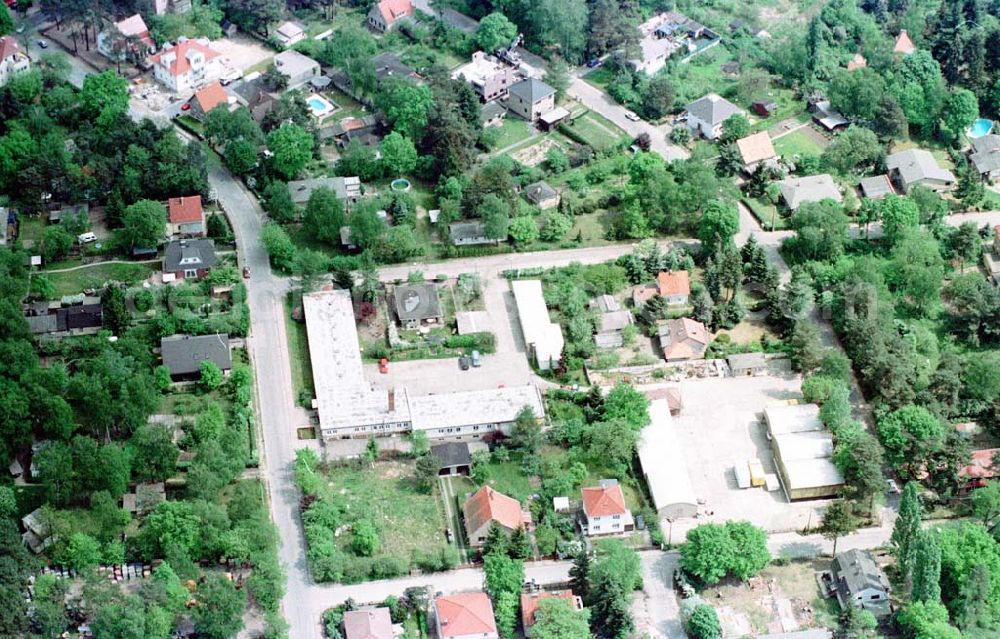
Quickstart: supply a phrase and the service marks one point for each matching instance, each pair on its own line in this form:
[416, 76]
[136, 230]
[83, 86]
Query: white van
[86, 238]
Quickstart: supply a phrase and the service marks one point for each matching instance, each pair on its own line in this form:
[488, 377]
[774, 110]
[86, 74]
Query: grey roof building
[917, 166]
[417, 303]
[455, 458]
[346, 188]
[812, 188]
[532, 90]
[542, 195]
[877, 187]
[858, 581]
[985, 156]
[706, 114]
[183, 354]
[469, 233]
[389, 65]
[747, 364]
[189, 255]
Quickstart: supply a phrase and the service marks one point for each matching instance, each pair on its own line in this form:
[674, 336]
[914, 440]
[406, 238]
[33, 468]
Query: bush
[483, 342]
[143, 300]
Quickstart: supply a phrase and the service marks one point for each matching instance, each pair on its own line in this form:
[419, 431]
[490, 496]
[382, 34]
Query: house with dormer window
[189, 259]
[187, 65]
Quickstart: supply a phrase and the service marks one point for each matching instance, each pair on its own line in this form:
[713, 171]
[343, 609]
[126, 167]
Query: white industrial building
[348, 406]
[543, 338]
[803, 452]
[664, 465]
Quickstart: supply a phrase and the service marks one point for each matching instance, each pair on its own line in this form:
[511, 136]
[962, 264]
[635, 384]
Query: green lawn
[598, 131]
[766, 213]
[32, 229]
[796, 143]
[509, 479]
[406, 519]
[600, 77]
[512, 131]
[298, 353]
[72, 282]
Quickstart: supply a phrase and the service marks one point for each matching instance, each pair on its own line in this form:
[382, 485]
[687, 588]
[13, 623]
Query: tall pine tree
[579, 576]
[906, 530]
[927, 569]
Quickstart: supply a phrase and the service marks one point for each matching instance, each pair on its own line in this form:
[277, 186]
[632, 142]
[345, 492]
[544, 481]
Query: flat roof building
[543, 338]
[664, 465]
[345, 188]
[795, 418]
[803, 452]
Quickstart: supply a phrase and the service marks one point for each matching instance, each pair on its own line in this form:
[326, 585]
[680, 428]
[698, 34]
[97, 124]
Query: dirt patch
[749, 330]
[535, 154]
[391, 470]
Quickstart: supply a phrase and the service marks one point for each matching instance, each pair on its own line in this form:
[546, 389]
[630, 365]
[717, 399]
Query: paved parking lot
[719, 426]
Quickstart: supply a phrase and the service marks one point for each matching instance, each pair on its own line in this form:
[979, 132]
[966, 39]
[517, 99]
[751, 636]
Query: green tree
[960, 110]
[897, 214]
[211, 375]
[116, 315]
[975, 598]
[6, 21]
[495, 31]
[398, 154]
[8, 502]
[704, 623]
[838, 520]
[104, 97]
[708, 553]
[143, 224]
[820, 231]
[856, 149]
[719, 223]
[579, 575]
[406, 105]
[83, 552]
[906, 529]
[279, 247]
[277, 201]
[495, 216]
[240, 156]
[506, 606]
[292, 148]
[520, 544]
[625, 403]
[734, 128]
[916, 269]
[557, 76]
[555, 227]
[497, 541]
[56, 243]
[427, 468]
[909, 435]
[921, 620]
[965, 243]
[557, 619]
[219, 613]
[964, 546]
[365, 539]
[323, 216]
[986, 504]
[503, 575]
[523, 230]
[927, 569]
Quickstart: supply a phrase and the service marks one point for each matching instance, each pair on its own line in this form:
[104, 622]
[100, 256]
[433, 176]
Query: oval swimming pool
[980, 127]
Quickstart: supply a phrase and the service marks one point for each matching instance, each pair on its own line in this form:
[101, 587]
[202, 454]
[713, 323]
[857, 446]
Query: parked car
[86, 238]
[629, 115]
[186, 106]
[43, 44]
[246, 272]
[476, 360]
[463, 363]
[383, 366]
[593, 64]
[892, 487]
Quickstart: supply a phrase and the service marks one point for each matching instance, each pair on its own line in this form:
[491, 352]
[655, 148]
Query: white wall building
[665, 466]
[187, 65]
[543, 338]
[13, 61]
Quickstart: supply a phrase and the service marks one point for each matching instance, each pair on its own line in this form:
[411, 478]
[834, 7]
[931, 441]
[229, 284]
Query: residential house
[189, 259]
[77, 315]
[490, 78]
[917, 166]
[643, 293]
[455, 458]
[531, 98]
[183, 354]
[13, 61]
[368, 623]
[487, 507]
[298, 68]
[824, 115]
[747, 364]
[177, 7]
[756, 150]
[682, 339]
[858, 581]
[417, 304]
[611, 321]
[857, 62]
[250, 92]
[542, 195]
[388, 65]
[705, 115]
[126, 38]
[37, 531]
[904, 44]
[469, 233]
[492, 114]
[384, 15]
[290, 33]
[674, 286]
[796, 191]
[877, 187]
[667, 34]
[69, 211]
[604, 510]
[187, 65]
[985, 156]
[144, 499]
[466, 615]
[185, 216]
[347, 189]
[982, 467]
[530, 602]
[207, 98]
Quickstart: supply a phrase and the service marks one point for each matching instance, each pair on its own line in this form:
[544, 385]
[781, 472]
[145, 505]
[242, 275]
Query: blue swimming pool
[320, 106]
[980, 127]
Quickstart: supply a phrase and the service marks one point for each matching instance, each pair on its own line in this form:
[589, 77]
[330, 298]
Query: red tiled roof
[211, 96]
[181, 49]
[981, 466]
[673, 283]
[8, 47]
[904, 44]
[392, 10]
[368, 624]
[688, 339]
[530, 601]
[857, 62]
[182, 210]
[672, 395]
[603, 501]
[469, 613]
[488, 505]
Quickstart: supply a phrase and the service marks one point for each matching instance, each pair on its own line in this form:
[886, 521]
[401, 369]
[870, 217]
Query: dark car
[463, 363]
[592, 64]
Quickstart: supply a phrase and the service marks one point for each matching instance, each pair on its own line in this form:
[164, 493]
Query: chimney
[392, 399]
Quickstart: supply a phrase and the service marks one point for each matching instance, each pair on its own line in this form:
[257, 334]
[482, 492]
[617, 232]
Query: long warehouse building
[349, 406]
[664, 464]
[803, 452]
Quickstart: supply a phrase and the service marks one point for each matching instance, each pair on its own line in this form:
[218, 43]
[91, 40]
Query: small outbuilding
[542, 195]
[470, 233]
[877, 187]
[747, 364]
[455, 458]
